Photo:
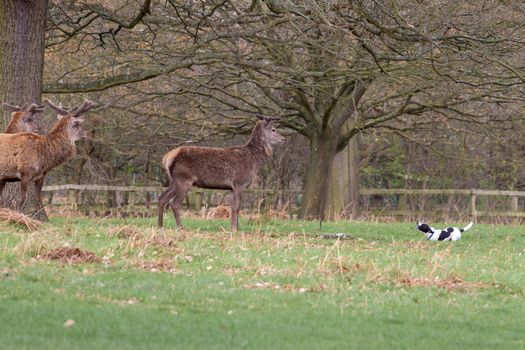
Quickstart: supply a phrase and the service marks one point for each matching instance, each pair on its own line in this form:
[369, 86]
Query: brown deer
[28, 157]
[23, 119]
[230, 168]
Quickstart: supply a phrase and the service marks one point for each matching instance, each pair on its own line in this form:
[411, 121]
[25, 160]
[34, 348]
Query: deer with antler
[229, 168]
[23, 119]
[28, 157]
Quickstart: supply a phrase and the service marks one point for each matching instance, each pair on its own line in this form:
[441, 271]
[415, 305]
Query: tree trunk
[354, 160]
[321, 161]
[77, 179]
[22, 24]
[147, 195]
[344, 184]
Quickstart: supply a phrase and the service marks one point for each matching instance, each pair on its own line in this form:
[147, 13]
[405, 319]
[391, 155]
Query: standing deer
[23, 119]
[28, 157]
[230, 168]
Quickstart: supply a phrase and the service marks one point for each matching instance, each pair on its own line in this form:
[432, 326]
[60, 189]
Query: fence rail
[511, 199]
[398, 207]
[70, 194]
[71, 187]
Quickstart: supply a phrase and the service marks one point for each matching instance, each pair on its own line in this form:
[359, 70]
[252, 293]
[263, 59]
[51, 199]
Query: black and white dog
[446, 234]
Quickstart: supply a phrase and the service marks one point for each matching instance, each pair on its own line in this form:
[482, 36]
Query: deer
[23, 119]
[229, 168]
[28, 157]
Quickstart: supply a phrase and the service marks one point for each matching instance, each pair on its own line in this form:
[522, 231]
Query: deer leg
[24, 182]
[164, 198]
[176, 213]
[182, 190]
[236, 205]
[38, 194]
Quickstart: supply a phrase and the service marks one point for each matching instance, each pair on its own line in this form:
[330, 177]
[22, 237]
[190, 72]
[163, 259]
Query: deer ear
[27, 117]
[77, 121]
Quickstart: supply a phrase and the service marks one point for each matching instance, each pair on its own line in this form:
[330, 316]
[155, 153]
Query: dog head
[425, 228]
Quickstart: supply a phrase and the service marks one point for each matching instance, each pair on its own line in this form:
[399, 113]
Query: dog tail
[466, 228]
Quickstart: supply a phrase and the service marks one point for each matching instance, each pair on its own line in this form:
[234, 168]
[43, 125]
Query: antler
[57, 109]
[14, 108]
[34, 109]
[266, 118]
[85, 107]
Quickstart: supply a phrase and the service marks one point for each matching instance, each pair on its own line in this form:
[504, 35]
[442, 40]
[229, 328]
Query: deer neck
[57, 147]
[259, 149]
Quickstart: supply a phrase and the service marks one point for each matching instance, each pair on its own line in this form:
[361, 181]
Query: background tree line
[372, 93]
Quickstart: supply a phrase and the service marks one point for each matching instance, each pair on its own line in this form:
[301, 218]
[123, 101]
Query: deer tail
[167, 162]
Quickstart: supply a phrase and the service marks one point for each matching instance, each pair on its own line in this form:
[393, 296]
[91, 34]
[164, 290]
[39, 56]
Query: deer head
[29, 119]
[270, 134]
[74, 118]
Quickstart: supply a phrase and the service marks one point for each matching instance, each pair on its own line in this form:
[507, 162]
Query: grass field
[276, 285]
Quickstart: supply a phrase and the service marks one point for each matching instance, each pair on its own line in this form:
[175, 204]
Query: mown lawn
[276, 285]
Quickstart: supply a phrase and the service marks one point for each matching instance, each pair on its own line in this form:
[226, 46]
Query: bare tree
[333, 69]
[336, 69]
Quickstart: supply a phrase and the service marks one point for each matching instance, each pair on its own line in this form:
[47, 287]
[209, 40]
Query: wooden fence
[136, 197]
[480, 203]
[381, 202]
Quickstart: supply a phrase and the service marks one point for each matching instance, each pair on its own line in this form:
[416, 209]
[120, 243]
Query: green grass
[276, 285]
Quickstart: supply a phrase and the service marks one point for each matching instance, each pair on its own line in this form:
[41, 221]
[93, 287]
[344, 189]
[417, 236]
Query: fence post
[473, 212]
[514, 209]
[71, 199]
[131, 200]
[403, 200]
[199, 197]
[514, 203]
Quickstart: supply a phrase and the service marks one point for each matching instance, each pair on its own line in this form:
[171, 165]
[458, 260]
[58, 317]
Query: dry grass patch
[35, 243]
[219, 212]
[286, 287]
[14, 217]
[63, 211]
[434, 273]
[70, 255]
[135, 238]
[160, 240]
[448, 283]
[402, 278]
[282, 214]
[157, 266]
[124, 232]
